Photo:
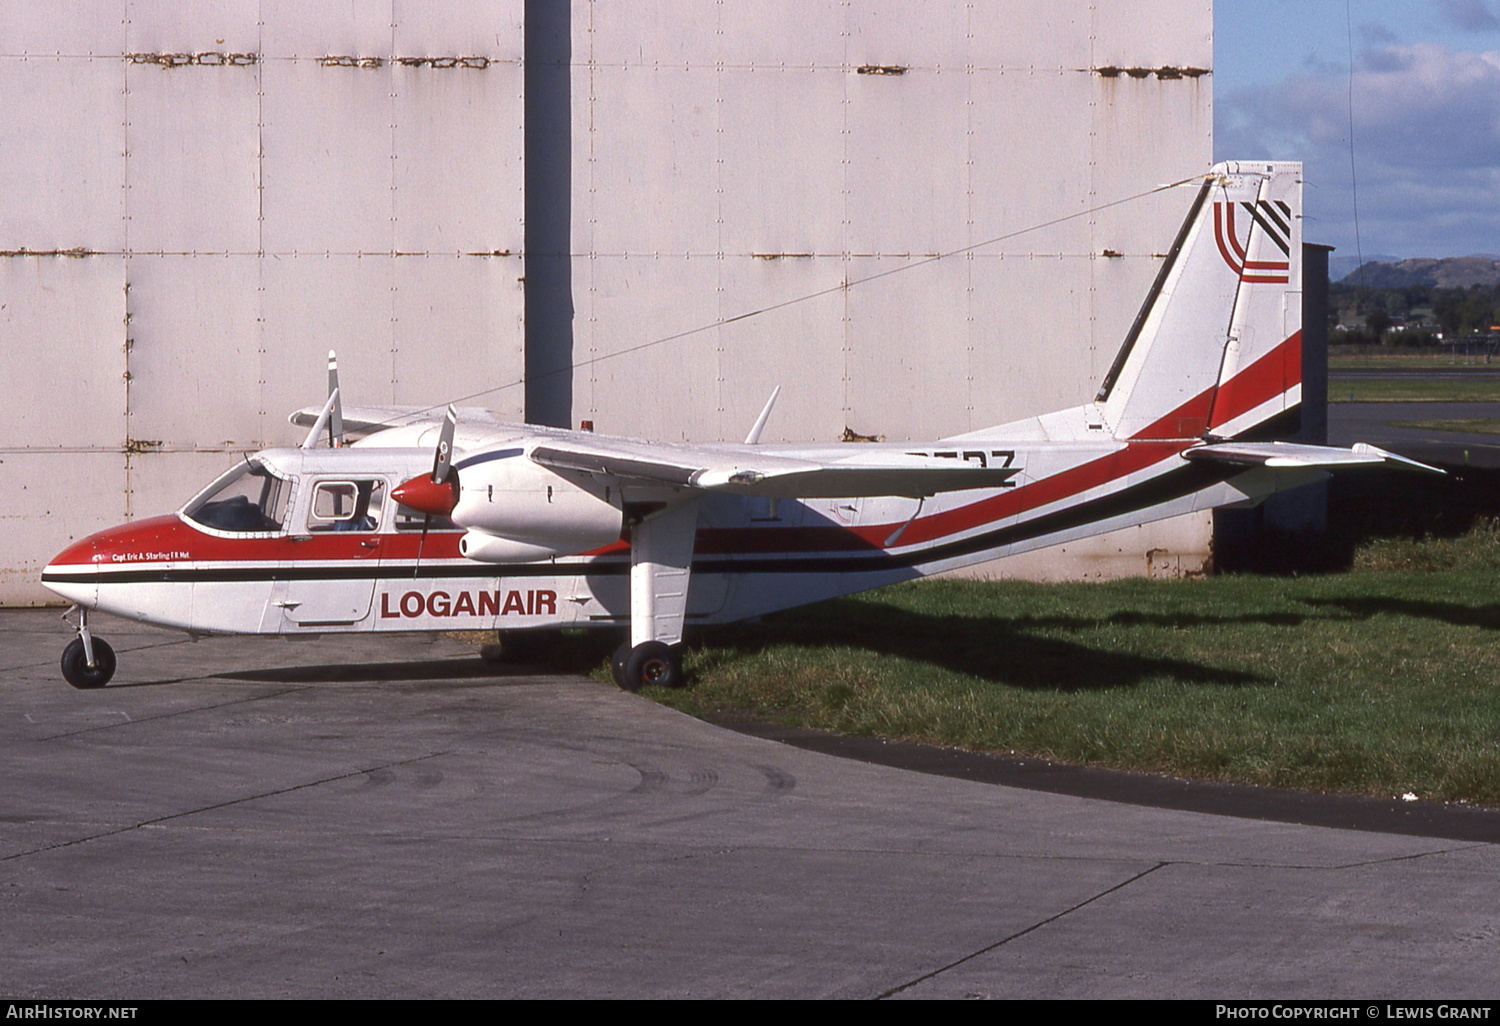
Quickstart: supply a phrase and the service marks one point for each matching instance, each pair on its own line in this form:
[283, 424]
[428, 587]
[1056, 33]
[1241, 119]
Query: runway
[383, 818]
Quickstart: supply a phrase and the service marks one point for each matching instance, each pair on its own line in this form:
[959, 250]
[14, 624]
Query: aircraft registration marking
[1003, 458]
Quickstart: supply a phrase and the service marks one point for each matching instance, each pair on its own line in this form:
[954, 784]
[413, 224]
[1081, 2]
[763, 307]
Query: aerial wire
[842, 286]
[1359, 254]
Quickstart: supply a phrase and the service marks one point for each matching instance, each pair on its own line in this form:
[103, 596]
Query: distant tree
[1447, 307]
[1457, 311]
[1477, 308]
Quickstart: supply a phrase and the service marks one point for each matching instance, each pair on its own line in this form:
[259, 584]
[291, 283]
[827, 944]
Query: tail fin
[1217, 347]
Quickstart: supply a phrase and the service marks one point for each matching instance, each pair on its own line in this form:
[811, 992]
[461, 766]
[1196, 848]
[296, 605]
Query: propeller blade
[336, 417]
[442, 461]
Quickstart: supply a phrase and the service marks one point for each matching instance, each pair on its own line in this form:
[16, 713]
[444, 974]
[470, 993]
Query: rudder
[1216, 347]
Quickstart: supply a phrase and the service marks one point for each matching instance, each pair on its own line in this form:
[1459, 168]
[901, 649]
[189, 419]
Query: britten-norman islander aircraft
[433, 523]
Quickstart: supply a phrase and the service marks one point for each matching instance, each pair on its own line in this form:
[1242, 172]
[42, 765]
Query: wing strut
[311, 441]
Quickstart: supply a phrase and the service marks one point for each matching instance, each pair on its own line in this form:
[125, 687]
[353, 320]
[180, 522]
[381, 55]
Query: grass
[1383, 681]
[1419, 390]
[1471, 425]
[1383, 361]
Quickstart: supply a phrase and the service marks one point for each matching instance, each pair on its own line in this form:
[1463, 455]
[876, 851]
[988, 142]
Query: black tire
[653, 663]
[617, 664]
[75, 664]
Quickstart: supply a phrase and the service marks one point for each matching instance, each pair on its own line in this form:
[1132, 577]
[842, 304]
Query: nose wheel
[75, 664]
[653, 662]
[87, 662]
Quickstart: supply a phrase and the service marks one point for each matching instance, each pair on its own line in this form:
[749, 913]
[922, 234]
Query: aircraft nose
[80, 553]
[72, 572]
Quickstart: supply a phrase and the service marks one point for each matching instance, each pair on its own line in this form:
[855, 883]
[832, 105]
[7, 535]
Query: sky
[1426, 116]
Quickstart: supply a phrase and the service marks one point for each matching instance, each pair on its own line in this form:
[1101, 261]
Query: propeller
[437, 493]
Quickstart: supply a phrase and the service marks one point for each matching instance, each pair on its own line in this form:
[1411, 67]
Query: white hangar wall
[735, 156]
[200, 199]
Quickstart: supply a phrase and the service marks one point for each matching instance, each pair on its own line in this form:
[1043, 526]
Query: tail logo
[1273, 218]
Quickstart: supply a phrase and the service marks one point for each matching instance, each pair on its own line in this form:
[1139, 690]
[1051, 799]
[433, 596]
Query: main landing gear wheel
[652, 662]
[75, 664]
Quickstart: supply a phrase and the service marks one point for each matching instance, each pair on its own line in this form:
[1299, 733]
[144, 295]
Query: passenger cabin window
[249, 498]
[346, 505]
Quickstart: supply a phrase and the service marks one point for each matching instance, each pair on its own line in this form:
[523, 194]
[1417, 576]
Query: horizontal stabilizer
[1288, 455]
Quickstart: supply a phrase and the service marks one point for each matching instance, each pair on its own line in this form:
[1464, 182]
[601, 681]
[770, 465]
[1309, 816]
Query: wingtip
[1401, 462]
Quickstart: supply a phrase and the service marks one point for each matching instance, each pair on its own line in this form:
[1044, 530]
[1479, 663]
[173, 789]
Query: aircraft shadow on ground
[1002, 650]
[1487, 617]
[338, 673]
[578, 653]
[998, 649]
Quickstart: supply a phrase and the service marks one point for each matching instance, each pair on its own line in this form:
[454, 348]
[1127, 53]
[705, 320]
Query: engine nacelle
[517, 512]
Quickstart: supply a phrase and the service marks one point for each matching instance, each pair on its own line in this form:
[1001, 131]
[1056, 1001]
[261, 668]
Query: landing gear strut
[661, 566]
[652, 662]
[87, 662]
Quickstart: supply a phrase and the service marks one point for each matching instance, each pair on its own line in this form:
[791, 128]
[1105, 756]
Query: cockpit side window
[250, 498]
[346, 505]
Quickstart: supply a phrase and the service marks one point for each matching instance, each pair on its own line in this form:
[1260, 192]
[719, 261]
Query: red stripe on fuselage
[1270, 376]
[171, 539]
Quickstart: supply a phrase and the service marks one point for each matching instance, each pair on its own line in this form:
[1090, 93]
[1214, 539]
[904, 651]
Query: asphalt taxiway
[385, 817]
[1375, 423]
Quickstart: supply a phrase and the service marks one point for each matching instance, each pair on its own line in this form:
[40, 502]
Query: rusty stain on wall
[1164, 72]
[75, 252]
[344, 61]
[349, 61]
[181, 60]
[443, 62]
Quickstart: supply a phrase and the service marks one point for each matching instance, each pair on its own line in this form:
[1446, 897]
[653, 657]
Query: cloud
[1470, 15]
[1426, 147]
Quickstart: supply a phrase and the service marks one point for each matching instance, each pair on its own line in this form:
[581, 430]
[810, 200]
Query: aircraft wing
[1291, 454]
[367, 420]
[748, 470]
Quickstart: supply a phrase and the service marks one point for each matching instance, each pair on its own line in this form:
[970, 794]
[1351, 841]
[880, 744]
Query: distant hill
[1447, 273]
[1342, 266]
